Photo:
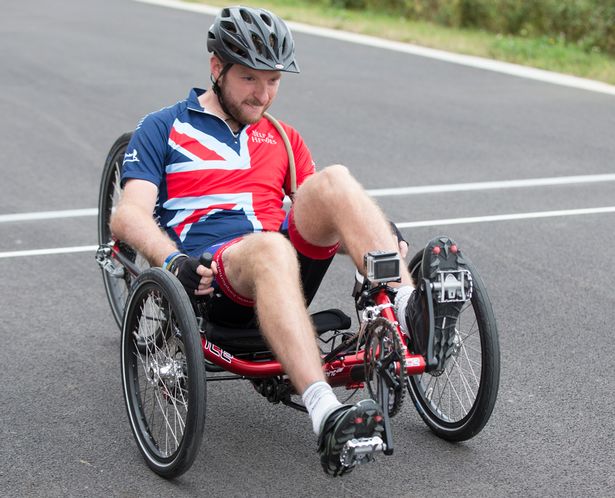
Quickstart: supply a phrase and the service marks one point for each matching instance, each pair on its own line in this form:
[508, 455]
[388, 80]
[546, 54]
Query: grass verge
[547, 53]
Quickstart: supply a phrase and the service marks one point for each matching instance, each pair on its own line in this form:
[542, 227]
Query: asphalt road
[75, 75]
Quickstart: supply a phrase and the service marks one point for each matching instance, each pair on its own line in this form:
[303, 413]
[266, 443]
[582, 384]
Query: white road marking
[507, 217]
[409, 224]
[465, 60]
[45, 252]
[48, 215]
[504, 184]
[383, 192]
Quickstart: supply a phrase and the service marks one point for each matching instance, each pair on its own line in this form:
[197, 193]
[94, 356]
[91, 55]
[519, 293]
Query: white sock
[320, 401]
[401, 301]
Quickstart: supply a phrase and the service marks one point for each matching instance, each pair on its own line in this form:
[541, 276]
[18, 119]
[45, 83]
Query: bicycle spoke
[471, 362]
[464, 384]
[453, 392]
[167, 424]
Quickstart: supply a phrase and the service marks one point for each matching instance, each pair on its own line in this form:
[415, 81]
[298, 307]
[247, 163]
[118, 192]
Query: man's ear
[215, 67]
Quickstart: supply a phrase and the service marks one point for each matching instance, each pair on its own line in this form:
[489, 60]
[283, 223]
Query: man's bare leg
[331, 206]
[264, 267]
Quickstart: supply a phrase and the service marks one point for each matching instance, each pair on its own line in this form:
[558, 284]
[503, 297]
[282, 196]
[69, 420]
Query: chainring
[384, 360]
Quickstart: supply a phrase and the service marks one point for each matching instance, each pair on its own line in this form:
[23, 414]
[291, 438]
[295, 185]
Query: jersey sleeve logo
[131, 157]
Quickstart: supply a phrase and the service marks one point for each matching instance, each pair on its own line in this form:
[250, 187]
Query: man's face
[248, 93]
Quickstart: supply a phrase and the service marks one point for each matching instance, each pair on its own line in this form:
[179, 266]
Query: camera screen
[387, 269]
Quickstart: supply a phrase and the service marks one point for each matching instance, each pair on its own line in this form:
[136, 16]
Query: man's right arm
[133, 222]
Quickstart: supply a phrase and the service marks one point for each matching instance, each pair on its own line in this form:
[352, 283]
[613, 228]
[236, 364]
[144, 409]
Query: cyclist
[214, 171]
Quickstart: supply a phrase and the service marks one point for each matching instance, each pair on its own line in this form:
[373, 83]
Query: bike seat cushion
[250, 340]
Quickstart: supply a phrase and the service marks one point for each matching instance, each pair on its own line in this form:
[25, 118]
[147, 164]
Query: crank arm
[386, 420]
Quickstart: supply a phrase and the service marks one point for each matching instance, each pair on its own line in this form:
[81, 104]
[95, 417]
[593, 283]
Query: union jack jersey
[213, 186]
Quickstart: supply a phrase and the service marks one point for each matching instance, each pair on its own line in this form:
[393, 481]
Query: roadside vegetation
[568, 36]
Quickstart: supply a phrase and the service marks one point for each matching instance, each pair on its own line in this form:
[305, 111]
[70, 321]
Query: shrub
[588, 23]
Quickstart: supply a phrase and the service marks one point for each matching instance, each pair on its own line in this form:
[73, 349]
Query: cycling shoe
[350, 436]
[450, 285]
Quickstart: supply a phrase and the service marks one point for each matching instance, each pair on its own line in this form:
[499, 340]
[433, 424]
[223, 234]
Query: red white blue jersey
[213, 186]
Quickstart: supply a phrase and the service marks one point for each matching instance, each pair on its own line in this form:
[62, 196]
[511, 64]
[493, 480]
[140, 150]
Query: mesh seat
[250, 340]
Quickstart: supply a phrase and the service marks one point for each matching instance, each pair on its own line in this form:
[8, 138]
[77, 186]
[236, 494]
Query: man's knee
[258, 258]
[336, 171]
[335, 175]
[334, 181]
[271, 251]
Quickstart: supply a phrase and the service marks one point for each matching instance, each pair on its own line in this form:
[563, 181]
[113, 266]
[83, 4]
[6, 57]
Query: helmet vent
[237, 49]
[266, 19]
[246, 16]
[229, 26]
[258, 44]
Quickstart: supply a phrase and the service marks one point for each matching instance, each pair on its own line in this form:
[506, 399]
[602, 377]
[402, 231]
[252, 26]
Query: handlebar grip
[206, 259]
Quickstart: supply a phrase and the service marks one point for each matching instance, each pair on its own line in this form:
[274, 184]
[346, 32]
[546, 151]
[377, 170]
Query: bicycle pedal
[360, 451]
[452, 286]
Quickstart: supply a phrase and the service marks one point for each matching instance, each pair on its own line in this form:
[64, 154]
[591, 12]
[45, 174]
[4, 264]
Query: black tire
[457, 402]
[163, 373]
[119, 281]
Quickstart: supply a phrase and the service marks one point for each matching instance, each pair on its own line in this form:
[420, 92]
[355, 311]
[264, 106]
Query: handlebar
[206, 259]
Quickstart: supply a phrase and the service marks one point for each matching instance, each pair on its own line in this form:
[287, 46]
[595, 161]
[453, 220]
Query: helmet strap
[218, 91]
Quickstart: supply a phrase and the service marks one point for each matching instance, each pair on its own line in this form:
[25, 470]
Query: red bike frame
[344, 370]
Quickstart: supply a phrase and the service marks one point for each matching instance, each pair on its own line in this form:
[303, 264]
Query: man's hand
[403, 249]
[195, 277]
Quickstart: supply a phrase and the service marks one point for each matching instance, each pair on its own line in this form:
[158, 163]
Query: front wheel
[163, 374]
[457, 401]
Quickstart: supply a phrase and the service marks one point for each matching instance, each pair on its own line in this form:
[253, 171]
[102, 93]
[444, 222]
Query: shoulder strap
[291, 157]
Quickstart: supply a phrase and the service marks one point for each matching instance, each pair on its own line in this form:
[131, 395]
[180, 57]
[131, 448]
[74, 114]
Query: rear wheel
[457, 401]
[163, 373]
[116, 278]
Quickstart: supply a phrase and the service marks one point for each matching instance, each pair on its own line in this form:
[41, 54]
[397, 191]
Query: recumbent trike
[170, 351]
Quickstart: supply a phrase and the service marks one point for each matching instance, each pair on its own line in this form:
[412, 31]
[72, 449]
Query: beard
[248, 111]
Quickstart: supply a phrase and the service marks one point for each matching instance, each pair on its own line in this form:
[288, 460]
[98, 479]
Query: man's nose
[261, 94]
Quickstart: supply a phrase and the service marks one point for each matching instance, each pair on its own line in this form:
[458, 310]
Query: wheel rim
[157, 372]
[450, 394]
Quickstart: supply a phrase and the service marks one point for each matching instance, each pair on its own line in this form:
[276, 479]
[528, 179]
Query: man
[214, 171]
